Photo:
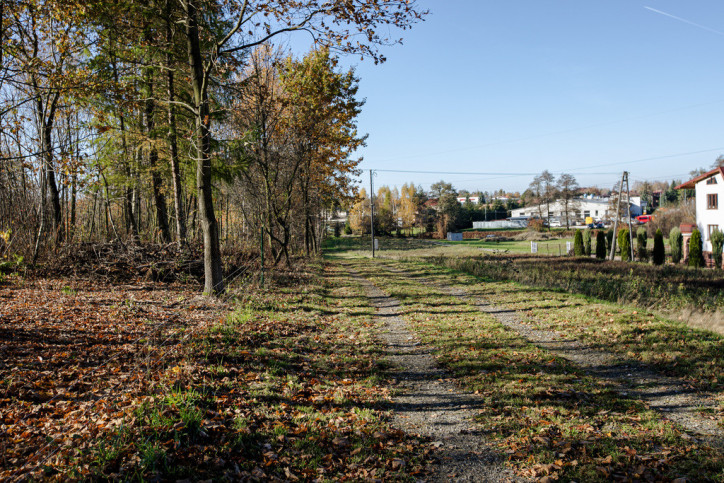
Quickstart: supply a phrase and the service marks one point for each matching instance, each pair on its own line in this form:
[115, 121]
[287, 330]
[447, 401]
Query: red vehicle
[644, 218]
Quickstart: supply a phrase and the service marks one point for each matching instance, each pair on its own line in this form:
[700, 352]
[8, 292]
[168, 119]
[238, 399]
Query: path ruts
[671, 396]
[428, 404]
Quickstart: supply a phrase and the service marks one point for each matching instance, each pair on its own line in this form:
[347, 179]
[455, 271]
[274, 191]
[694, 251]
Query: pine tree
[659, 253]
[717, 243]
[641, 241]
[675, 244]
[578, 249]
[624, 243]
[696, 256]
[587, 242]
[600, 245]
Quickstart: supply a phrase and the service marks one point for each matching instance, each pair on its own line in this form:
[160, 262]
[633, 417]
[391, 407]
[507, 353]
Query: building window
[712, 202]
[586, 214]
[711, 180]
[711, 229]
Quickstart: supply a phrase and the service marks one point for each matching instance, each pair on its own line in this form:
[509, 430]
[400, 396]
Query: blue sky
[587, 87]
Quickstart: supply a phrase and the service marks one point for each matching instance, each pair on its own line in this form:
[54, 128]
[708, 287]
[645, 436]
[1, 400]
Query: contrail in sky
[685, 21]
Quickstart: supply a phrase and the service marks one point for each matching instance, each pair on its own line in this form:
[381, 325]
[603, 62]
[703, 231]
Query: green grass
[546, 415]
[288, 384]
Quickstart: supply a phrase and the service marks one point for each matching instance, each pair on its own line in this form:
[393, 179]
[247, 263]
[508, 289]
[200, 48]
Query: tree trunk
[213, 272]
[172, 140]
[156, 181]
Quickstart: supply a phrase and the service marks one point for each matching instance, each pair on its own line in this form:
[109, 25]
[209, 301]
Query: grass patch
[547, 416]
[286, 387]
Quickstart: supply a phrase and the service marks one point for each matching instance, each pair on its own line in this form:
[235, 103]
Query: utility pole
[618, 211]
[628, 215]
[372, 212]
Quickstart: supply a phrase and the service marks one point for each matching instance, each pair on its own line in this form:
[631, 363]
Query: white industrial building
[578, 210]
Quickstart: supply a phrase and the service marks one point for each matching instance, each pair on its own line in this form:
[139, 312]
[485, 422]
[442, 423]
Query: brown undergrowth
[142, 380]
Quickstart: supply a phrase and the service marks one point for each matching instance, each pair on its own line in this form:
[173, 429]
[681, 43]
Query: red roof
[689, 185]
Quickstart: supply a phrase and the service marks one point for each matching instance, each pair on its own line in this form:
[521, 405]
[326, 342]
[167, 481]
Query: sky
[502, 90]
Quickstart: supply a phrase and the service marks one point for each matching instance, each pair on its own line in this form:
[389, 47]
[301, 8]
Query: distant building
[709, 217]
[472, 199]
[578, 210]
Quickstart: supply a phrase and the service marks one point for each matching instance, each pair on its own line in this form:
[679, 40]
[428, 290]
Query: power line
[465, 173]
[554, 133]
[578, 171]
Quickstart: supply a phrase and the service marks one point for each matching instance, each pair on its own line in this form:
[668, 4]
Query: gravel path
[671, 396]
[427, 403]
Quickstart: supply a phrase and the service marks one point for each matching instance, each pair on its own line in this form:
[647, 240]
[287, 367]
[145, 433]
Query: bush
[624, 244]
[641, 241]
[717, 243]
[347, 228]
[600, 245]
[609, 239]
[696, 256]
[659, 253]
[578, 244]
[676, 244]
[536, 224]
[587, 242]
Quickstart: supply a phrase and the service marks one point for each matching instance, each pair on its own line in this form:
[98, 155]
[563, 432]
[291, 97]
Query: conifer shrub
[624, 244]
[696, 256]
[600, 245]
[578, 244]
[659, 253]
[717, 243]
[609, 239]
[676, 241]
[587, 234]
[641, 240]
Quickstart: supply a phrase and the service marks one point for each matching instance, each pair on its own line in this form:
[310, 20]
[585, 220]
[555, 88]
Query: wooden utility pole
[372, 212]
[628, 216]
[618, 211]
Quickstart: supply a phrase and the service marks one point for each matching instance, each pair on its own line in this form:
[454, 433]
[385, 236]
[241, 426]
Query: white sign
[533, 247]
[569, 247]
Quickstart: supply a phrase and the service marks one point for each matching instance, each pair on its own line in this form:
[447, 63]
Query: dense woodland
[180, 121]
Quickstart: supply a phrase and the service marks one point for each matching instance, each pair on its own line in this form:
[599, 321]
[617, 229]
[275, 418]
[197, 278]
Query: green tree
[600, 245]
[578, 249]
[717, 242]
[696, 254]
[676, 245]
[587, 235]
[609, 239]
[624, 244]
[437, 190]
[641, 241]
[659, 253]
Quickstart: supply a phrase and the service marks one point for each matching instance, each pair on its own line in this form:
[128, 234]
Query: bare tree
[567, 188]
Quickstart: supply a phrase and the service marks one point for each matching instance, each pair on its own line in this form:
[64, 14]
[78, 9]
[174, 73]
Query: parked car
[644, 218]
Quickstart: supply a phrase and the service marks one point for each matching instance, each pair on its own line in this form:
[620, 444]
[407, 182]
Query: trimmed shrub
[347, 228]
[659, 253]
[717, 243]
[696, 256]
[641, 240]
[676, 242]
[587, 242]
[624, 244]
[578, 244]
[609, 239]
[600, 245]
